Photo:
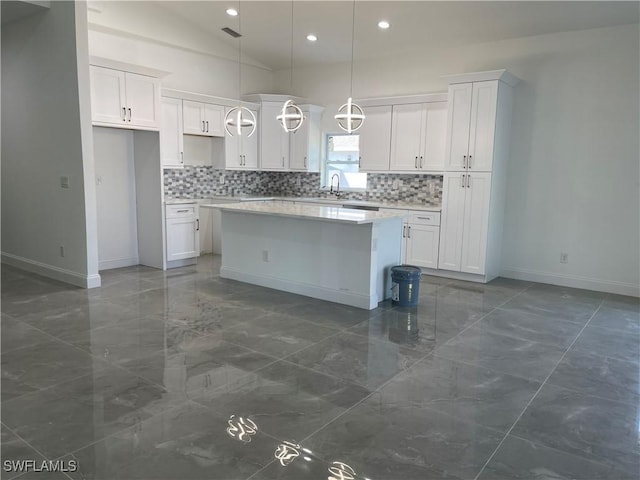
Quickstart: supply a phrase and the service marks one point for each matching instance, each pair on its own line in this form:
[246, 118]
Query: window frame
[324, 181]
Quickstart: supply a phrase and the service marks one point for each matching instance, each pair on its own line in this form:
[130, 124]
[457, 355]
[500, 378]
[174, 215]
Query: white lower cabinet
[183, 231]
[421, 233]
[465, 219]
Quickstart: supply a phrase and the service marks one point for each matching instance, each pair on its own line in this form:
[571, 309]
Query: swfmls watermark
[21, 466]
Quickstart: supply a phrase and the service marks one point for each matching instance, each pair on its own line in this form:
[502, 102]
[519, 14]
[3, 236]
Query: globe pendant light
[291, 116]
[239, 117]
[350, 116]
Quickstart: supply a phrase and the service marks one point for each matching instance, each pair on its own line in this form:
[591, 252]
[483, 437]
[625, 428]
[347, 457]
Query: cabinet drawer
[184, 210]
[425, 218]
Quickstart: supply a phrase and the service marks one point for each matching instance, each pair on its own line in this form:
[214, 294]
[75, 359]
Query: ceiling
[415, 25]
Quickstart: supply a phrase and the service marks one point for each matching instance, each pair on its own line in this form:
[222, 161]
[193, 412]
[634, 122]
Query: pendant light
[239, 117]
[291, 116]
[350, 116]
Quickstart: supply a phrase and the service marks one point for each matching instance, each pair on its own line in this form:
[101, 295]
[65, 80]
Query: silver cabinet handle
[420, 161]
[464, 162]
[207, 126]
[409, 232]
[305, 162]
[469, 162]
[202, 126]
[124, 114]
[468, 181]
[416, 162]
[359, 161]
[283, 160]
[129, 113]
[182, 211]
[462, 181]
[197, 224]
[424, 218]
[404, 231]
[244, 160]
[181, 157]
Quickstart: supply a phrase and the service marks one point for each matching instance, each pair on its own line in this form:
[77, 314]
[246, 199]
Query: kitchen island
[331, 253]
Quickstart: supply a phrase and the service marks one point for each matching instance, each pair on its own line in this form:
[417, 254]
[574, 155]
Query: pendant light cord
[291, 86]
[353, 28]
[239, 55]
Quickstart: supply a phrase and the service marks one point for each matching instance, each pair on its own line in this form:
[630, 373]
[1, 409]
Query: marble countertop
[307, 212]
[319, 200]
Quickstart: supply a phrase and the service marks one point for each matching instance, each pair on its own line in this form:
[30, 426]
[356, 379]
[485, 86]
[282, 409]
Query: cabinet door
[171, 141]
[108, 101]
[375, 140]
[249, 148]
[143, 100]
[299, 140]
[422, 245]
[435, 137]
[183, 239]
[232, 150]
[192, 118]
[406, 135]
[452, 221]
[476, 221]
[483, 125]
[459, 118]
[274, 141]
[213, 120]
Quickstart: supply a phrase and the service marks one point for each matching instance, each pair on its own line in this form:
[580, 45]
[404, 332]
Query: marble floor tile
[269, 299]
[597, 429]
[622, 302]
[117, 286]
[284, 400]
[43, 365]
[71, 322]
[382, 442]
[25, 304]
[331, 314]
[69, 416]
[188, 443]
[465, 392]
[530, 327]
[624, 319]
[367, 362]
[14, 450]
[277, 334]
[200, 368]
[545, 304]
[519, 459]
[604, 377]
[17, 334]
[575, 295]
[487, 295]
[515, 356]
[609, 343]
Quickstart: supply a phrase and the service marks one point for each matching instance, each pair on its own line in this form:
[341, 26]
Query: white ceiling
[415, 25]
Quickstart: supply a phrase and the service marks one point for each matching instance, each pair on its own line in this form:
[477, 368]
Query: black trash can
[405, 286]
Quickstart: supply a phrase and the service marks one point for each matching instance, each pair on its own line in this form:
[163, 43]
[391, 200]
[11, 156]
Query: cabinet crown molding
[402, 100]
[203, 98]
[272, 97]
[126, 67]
[502, 75]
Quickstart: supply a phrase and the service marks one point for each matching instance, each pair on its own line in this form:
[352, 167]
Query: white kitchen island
[331, 253]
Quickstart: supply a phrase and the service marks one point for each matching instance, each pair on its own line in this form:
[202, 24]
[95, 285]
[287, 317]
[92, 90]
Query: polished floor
[184, 375]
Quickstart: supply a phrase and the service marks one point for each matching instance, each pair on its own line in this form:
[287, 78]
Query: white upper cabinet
[124, 99]
[304, 143]
[471, 126]
[418, 137]
[375, 139]
[274, 141]
[171, 139]
[241, 151]
[203, 119]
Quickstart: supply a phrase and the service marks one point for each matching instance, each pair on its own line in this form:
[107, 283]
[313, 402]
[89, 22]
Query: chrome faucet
[337, 192]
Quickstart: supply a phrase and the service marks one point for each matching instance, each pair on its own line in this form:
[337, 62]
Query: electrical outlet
[221, 179]
[99, 180]
[62, 250]
[395, 184]
[265, 255]
[64, 182]
[564, 257]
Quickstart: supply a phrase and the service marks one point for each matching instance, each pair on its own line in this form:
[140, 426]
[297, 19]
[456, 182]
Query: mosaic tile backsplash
[203, 182]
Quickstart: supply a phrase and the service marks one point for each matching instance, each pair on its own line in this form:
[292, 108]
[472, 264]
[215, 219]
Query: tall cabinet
[477, 150]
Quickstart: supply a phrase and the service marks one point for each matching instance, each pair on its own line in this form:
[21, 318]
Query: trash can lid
[406, 271]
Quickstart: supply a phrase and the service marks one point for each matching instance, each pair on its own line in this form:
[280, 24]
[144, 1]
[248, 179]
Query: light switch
[64, 182]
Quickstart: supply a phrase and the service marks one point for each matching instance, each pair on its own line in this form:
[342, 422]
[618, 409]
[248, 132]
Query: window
[342, 158]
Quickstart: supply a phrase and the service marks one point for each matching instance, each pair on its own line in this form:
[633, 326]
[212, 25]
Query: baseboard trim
[50, 271]
[367, 302]
[118, 263]
[574, 281]
[183, 262]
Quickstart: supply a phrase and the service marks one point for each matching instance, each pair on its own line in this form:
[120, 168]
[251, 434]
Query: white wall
[44, 137]
[116, 197]
[574, 168]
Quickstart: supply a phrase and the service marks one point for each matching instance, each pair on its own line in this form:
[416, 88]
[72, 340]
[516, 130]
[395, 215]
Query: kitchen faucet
[337, 192]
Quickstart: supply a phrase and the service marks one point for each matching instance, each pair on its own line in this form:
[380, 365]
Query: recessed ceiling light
[383, 24]
[311, 37]
[232, 11]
